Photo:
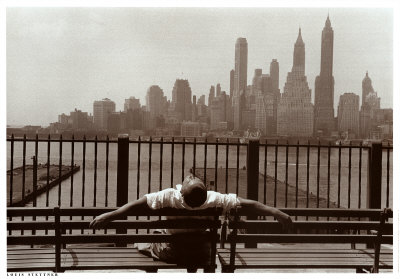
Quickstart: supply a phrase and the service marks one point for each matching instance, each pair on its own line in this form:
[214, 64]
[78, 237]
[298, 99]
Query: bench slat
[308, 238]
[358, 225]
[148, 224]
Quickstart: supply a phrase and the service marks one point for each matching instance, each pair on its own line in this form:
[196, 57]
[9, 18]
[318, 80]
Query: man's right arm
[102, 220]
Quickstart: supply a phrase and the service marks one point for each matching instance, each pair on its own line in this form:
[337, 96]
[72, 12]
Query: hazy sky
[59, 59]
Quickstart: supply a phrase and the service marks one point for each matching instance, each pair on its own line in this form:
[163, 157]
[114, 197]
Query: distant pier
[280, 197]
[44, 181]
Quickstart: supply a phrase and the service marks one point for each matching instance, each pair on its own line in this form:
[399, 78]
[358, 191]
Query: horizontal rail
[309, 225]
[322, 212]
[309, 238]
[121, 224]
[92, 211]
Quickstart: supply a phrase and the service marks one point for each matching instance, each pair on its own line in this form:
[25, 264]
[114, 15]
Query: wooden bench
[59, 239]
[298, 249]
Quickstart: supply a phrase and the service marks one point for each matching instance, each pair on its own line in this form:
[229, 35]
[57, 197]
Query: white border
[216, 3]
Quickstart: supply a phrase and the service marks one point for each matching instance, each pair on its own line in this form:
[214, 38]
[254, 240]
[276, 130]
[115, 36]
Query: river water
[152, 182]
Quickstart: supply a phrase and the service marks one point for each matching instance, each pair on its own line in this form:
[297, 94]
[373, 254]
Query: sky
[59, 58]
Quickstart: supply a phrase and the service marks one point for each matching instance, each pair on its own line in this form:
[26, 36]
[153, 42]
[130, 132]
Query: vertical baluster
[276, 172]
[161, 161]
[35, 194]
[23, 175]
[95, 173]
[107, 154]
[172, 161]
[48, 171]
[216, 165]
[349, 178]
[297, 174]
[339, 172]
[59, 171]
[149, 175]
[286, 173]
[161, 165]
[308, 176]
[83, 173]
[359, 174]
[11, 172]
[226, 166]
[72, 171]
[205, 161]
[138, 175]
[265, 171]
[35, 178]
[71, 197]
[329, 175]
[194, 156]
[318, 170]
[47, 176]
[23, 167]
[387, 175]
[183, 158]
[237, 166]
[11, 176]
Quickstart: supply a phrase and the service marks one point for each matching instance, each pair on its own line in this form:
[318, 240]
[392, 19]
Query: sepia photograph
[191, 137]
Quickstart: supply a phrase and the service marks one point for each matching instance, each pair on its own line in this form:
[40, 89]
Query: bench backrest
[328, 226]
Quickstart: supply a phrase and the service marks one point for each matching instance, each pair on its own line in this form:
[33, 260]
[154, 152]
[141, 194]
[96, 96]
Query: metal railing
[111, 172]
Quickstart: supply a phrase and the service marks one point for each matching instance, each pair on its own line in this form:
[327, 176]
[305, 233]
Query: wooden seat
[297, 252]
[71, 245]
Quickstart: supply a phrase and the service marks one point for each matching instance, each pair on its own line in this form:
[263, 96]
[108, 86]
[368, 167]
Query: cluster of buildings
[259, 106]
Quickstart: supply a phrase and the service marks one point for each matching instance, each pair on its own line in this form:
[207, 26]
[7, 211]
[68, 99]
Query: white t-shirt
[173, 198]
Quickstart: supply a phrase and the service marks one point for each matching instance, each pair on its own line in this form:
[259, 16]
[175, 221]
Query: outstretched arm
[102, 220]
[258, 208]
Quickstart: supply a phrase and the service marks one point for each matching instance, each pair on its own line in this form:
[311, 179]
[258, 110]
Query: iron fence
[109, 172]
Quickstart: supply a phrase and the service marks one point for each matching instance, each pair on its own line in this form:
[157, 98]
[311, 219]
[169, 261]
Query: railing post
[253, 150]
[122, 169]
[122, 175]
[374, 185]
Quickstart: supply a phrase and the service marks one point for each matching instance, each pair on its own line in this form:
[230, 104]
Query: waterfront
[94, 190]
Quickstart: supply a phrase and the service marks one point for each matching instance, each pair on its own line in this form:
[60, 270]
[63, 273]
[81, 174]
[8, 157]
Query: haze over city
[59, 59]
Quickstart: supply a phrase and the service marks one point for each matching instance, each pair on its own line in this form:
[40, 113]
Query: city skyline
[42, 69]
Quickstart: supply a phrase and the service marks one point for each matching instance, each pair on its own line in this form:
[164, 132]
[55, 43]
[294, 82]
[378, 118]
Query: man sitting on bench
[191, 195]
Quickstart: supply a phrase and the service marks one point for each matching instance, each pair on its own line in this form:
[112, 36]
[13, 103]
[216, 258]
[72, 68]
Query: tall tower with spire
[240, 81]
[324, 85]
[295, 113]
[299, 55]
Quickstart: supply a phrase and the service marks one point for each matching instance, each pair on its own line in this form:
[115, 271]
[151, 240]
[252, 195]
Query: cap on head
[193, 191]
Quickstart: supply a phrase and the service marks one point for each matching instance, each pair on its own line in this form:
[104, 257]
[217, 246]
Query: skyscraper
[348, 114]
[274, 74]
[240, 80]
[131, 104]
[218, 93]
[324, 85]
[231, 82]
[182, 100]
[211, 95]
[101, 109]
[370, 106]
[295, 111]
[155, 101]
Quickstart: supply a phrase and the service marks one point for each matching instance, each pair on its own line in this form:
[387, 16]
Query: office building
[295, 113]
[101, 109]
[324, 119]
[240, 81]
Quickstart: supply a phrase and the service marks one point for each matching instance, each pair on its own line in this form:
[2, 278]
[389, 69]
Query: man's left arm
[257, 208]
